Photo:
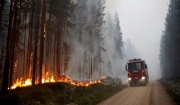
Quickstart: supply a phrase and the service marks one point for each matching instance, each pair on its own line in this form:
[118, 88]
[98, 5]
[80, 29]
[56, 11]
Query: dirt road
[152, 94]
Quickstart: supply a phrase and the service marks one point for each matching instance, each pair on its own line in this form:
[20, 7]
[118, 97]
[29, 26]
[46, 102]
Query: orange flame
[63, 78]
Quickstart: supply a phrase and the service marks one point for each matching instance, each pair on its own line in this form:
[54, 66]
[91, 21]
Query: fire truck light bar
[135, 59]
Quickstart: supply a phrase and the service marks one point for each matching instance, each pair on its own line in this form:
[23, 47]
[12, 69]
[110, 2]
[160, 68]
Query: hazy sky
[142, 21]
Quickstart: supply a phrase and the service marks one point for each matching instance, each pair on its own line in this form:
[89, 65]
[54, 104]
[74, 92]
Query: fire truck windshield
[135, 66]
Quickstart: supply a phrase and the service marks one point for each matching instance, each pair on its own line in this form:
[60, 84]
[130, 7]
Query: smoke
[118, 64]
[143, 30]
[142, 22]
[113, 5]
[76, 60]
[112, 63]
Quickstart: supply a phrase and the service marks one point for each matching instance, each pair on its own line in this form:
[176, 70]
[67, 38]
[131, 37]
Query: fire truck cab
[137, 72]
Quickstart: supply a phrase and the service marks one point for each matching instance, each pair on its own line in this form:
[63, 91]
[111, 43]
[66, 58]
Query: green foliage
[59, 94]
[62, 8]
[170, 44]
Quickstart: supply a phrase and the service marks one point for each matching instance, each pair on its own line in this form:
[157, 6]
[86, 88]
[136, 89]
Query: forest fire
[28, 82]
[21, 83]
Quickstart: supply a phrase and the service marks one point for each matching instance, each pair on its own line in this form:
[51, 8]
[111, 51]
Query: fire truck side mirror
[125, 67]
[145, 66]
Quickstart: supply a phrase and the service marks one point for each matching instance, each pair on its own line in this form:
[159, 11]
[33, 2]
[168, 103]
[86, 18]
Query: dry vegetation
[173, 88]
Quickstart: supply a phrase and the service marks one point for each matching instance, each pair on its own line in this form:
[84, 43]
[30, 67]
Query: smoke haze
[142, 21]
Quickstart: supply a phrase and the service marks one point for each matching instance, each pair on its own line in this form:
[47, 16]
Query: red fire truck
[137, 72]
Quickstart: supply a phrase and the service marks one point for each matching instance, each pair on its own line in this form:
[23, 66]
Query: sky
[142, 21]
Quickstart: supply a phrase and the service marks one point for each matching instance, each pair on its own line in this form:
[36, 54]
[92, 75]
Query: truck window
[135, 66]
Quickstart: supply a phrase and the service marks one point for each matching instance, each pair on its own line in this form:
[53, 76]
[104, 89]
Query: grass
[59, 94]
[172, 88]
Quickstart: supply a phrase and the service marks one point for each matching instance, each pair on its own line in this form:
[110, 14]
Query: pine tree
[5, 82]
[36, 31]
[131, 51]
[118, 35]
[80, 22]
[61, 11]
[170, 45]
[42, 36]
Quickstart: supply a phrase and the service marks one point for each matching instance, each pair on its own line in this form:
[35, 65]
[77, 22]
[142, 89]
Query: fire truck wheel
[130, 84]
[144, 84]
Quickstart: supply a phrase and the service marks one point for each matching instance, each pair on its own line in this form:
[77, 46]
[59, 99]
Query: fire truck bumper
[142, 80]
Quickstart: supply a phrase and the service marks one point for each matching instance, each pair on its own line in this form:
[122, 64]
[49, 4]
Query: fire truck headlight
[129, 79]
[143, 77]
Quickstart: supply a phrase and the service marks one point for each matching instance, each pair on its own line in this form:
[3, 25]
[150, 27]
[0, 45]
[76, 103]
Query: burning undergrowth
[28, 82]
[60, 93]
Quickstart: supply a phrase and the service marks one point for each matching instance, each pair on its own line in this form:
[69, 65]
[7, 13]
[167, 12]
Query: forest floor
[59, 94]
[173, 88]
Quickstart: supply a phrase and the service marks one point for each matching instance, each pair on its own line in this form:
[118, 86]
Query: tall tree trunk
[1, 10]
[36, 32]
[35, 61]
[29, 50]
[1, 62]
[46, 54]
[46, 51]
[25, 33]
[13, 42]
[48, 47]
[43, 26]
[57, 57]
[5, 81]
[30, 47]
[54, 60]
[58, 51]
[24, 57]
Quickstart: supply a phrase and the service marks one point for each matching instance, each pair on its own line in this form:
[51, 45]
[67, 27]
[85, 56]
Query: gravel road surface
[152, 94]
